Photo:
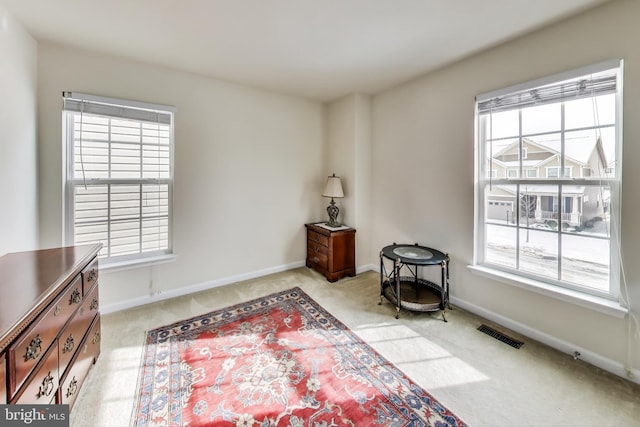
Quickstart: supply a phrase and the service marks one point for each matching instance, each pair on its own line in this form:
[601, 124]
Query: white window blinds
[601, 81]
[119, 175]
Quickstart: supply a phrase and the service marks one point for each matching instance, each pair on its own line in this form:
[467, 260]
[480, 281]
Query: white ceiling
[321, 49]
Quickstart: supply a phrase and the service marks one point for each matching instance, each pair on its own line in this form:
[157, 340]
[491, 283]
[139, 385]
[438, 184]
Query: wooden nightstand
[331, 251]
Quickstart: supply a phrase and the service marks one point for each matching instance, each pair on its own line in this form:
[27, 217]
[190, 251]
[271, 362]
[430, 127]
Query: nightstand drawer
[317, 238]
[316, 248]
[318, 260]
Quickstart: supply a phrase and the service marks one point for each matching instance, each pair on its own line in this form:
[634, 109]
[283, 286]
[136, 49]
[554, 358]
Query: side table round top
[414, 254]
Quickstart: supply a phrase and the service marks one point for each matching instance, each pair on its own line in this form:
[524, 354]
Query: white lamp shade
[333, 187]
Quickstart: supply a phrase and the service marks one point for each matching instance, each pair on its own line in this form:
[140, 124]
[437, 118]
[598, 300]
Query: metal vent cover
[500, 336]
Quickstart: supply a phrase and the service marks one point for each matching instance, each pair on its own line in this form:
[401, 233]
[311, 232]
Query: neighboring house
[539, 203]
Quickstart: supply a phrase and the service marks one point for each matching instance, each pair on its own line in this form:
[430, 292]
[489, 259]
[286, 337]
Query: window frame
[70, 182]
[525, 279]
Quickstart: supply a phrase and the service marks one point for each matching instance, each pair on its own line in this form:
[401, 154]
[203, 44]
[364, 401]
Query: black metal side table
[410, 291]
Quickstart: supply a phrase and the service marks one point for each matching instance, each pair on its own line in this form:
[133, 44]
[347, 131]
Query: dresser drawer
[28, 349]
[84, 359]
[43, 383]
[89, 276]
[318, 238]
[75, 331]
[3, 380]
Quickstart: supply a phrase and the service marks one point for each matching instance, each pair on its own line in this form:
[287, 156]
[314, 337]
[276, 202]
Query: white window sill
[602, 305]
[113, 267]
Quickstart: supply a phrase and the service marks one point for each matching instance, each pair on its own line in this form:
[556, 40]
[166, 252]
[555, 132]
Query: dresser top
[31, 280]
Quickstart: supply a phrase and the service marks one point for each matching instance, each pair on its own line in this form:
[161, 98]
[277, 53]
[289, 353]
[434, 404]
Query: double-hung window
[562, 225]
[118, 176]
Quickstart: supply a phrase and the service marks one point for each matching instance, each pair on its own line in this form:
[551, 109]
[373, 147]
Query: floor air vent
[500, 336]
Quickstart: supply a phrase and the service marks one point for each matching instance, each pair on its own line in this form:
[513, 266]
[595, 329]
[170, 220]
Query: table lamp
[333, 189]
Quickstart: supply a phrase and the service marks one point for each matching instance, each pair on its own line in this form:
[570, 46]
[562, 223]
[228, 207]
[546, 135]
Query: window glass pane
[585, 260]
[500, 245]
[500, 203]
[603, 161]
[543, 118]
[539, 221]
[498, 156]
[500, 211]
[505, 124]
[588, 112]
[594, 209]
[539, 252]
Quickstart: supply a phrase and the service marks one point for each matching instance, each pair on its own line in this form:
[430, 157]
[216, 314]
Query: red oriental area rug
[280, 360]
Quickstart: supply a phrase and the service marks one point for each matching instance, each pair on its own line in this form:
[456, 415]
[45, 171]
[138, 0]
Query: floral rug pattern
[280, 360]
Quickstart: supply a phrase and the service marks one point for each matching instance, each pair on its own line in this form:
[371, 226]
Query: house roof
[578, 147]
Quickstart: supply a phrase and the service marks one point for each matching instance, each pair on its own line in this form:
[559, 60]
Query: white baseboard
[148, 299]
[366, 267]
[569, 348]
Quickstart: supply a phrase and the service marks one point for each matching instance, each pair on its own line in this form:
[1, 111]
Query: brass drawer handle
[316, 259]
[75, 297]
[68, 345]
[47, 386]
[96, 338]
[57, 310]
[315, 248]
[33, 349]
[73, 387]
[94, 304]
[92, 275]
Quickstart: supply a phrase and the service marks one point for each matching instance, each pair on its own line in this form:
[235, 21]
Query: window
[554, 172]
[564, 230]
[119, 176]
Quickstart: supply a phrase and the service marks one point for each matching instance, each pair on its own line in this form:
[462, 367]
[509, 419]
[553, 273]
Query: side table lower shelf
[421, 295]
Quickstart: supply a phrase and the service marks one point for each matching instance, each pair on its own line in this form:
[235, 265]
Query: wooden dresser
[331, 252]
[49, 323]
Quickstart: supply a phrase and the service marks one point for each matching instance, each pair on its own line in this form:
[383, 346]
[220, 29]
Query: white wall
[423, 171]
[248, 165]
[348, 153]
[18, 155]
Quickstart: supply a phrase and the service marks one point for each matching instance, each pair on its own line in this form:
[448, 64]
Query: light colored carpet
[482, 380]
